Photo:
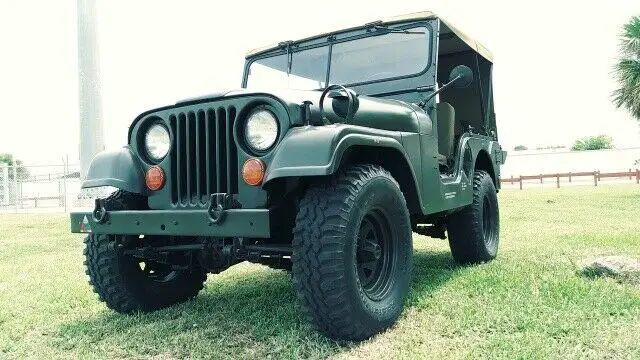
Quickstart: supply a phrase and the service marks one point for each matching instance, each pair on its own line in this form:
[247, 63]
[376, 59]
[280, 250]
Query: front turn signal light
[253, 172]
[154, 178]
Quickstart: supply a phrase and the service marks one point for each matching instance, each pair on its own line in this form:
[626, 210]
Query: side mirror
[342, 104]
[461, 77]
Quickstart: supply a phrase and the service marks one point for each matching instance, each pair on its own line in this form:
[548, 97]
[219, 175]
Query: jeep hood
[383, 114]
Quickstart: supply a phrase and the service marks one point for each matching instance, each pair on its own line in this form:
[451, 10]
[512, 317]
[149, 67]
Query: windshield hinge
[285, 44]
[373, 23]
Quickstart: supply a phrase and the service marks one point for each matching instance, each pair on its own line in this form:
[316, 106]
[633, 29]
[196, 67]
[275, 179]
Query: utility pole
[91, 127]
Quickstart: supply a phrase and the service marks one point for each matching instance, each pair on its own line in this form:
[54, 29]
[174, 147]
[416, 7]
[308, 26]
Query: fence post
[511, 179]
[15, 185]
[540, 178]
[569, 176]
[5, 184]
[520, 178]
[637, 176]
[630, 173]
[558, 181]
[595, 178]
[64, 182]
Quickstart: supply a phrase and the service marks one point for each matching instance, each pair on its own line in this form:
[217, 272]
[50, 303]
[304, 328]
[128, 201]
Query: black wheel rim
[374, 254]
[489, 223]
[149, 270]
[155, 271]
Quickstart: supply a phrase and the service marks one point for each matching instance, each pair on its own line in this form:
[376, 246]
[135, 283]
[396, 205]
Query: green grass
[529, 303]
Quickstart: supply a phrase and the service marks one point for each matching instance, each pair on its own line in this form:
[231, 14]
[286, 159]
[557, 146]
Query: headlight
[261, 130]
[157, 142]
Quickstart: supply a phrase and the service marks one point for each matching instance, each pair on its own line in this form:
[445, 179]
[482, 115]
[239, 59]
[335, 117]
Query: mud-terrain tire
[127, 284]
[124, 200]
[474, 232]
[352, 253]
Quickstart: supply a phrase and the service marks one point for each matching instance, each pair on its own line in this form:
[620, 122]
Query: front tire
[128, 284]
[352, 253]
[474, 232]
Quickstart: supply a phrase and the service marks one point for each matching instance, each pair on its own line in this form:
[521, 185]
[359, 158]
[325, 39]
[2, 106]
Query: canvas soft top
[446, 27]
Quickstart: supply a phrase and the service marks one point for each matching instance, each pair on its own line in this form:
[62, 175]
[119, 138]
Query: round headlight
[157, 142]
[261, 130]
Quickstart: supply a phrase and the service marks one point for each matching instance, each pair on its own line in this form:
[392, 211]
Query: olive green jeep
[325, 181]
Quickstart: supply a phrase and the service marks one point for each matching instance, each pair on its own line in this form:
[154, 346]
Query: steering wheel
[349, 97]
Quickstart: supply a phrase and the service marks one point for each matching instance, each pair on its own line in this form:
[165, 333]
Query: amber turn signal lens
[154, 179]
[253, 172]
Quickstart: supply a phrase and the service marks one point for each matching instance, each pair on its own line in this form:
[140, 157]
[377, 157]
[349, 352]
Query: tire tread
[318, 267]
[464, 229]
[109, 280]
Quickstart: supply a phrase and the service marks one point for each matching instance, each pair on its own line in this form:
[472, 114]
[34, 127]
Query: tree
[520, 148]
[627, 70]
[21, 171]
[593, 143]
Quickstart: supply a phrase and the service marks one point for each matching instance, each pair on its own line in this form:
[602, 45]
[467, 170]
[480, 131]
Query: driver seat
[446, 130]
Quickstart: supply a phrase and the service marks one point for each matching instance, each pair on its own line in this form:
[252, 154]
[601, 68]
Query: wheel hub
[373, 254]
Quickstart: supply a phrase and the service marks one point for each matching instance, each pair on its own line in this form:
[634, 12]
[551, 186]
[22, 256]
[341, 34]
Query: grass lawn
[529, 303]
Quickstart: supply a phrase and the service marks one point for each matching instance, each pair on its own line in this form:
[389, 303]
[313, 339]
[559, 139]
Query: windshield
[394, 54]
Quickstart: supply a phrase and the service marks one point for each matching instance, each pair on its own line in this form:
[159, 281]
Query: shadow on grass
[237, 315]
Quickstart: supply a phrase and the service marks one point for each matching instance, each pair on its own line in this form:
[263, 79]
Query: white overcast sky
[552, 72]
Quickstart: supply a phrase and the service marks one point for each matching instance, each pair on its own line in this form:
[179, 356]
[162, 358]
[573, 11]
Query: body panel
[300, 150]
[121, 169]
[319, 150]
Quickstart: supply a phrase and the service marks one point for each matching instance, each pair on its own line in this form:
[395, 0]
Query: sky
[552, 61]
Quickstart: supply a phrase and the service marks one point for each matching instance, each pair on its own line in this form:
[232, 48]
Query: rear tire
[352, 253]
[474, 232]
[127, 284]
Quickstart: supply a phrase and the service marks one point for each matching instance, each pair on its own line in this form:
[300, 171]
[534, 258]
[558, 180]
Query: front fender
[119, 168]
[318, 150]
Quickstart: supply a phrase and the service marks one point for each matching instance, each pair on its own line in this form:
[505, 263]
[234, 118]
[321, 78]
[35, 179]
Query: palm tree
[627, 70]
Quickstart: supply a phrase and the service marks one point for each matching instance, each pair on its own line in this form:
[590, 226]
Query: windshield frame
[358, 33]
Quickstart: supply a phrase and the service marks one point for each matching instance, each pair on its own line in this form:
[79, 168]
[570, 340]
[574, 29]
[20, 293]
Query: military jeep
[337, 149]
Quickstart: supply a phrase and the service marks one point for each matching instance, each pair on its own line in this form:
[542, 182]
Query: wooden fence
[596, 175]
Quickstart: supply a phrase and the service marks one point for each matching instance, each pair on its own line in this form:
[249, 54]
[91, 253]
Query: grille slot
[204, 156]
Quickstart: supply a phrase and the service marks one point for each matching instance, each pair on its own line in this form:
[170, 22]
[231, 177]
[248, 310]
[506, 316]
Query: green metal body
[208, 150]
[238, 223]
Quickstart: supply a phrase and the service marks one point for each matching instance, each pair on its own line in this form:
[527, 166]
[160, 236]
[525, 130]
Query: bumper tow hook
[218, 204]
[99, 212]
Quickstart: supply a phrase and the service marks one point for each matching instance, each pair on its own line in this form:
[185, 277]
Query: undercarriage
[214, 254]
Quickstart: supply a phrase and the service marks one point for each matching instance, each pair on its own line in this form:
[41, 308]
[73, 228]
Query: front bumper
[237, 223]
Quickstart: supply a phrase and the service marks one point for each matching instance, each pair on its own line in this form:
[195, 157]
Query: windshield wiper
[379, 26]
[396, 31]
[287, 44]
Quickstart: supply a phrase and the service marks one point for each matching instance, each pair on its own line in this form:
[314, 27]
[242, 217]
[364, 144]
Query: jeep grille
[204, 156]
